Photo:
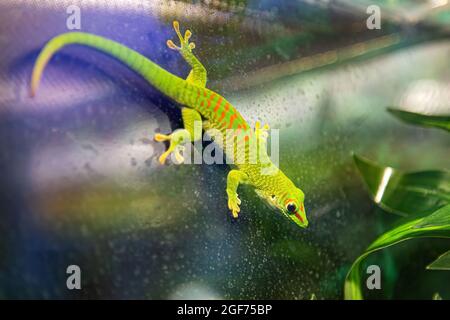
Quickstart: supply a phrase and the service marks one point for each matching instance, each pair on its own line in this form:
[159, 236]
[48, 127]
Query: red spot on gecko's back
[219, 102]
[232, 118]
[210, 98]
[198, 95]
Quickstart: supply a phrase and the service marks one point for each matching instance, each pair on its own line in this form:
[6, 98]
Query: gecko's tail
[166, 82]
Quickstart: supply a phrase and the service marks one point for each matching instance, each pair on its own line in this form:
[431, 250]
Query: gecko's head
[290, 202]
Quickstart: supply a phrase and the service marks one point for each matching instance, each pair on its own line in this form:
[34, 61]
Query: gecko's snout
[299, 217]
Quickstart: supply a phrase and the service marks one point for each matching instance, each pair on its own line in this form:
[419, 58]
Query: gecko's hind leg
[198, 72]
[192, 132]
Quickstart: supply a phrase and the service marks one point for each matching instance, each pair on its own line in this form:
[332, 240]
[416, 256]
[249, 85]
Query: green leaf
[441, 263]
[442, 122]
[435, 225]
[405, 193]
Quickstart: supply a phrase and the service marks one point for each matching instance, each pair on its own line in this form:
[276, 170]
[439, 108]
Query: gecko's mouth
[297, 219]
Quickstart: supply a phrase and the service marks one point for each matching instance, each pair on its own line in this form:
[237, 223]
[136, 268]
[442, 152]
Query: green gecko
[199, 105]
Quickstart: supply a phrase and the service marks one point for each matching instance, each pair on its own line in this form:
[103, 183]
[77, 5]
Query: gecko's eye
[291, 207]
[273, 197]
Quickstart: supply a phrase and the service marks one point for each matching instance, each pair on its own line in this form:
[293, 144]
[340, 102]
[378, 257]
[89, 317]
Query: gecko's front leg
[235, 177]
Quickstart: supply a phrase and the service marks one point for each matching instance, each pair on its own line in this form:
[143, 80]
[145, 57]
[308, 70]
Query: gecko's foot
[177, 139]
[233, 204]
[262, 132]
[185, 45]
[177, 153]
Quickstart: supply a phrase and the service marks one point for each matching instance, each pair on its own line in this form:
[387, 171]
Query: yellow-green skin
[199, 104]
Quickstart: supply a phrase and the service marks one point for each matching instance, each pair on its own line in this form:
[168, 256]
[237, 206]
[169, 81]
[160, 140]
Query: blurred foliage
[442, 122]
[436, 224]
[441, 263]
[413, 194]
[405, 193]
[437, 296]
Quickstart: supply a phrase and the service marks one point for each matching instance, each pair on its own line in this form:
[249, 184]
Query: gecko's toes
[187, 35]
[172, 45]
[233, 205]
[162, 159]
[235, 213]
[176, 25]
[185, 45]
[178, 156]
[161, 137]
[258, 126]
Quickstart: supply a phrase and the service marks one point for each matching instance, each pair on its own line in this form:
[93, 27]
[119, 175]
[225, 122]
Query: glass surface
[81, 182]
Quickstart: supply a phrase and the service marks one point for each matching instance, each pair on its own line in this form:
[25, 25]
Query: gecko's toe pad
[161, 137]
